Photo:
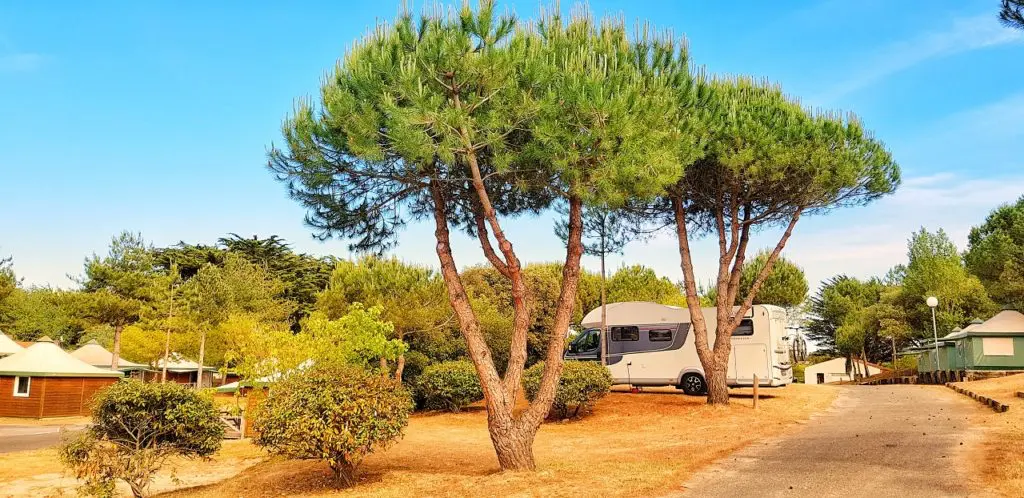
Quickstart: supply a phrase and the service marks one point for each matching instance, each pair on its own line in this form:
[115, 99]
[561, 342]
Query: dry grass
[38, 473]
[998, 459]
[634, 444]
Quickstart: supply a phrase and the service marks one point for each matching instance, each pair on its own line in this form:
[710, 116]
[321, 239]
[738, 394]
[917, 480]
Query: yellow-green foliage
[332, 412]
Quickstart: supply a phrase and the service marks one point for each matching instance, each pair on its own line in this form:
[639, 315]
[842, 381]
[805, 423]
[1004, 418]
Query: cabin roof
[179, 363]
[45, 359]
[8, 346]
[98, 356]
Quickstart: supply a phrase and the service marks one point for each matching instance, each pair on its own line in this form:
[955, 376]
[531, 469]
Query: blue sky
[155, 117]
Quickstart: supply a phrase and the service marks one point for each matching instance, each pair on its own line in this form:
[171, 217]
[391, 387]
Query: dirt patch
[997, 462]
[633, 444]
[39, 473]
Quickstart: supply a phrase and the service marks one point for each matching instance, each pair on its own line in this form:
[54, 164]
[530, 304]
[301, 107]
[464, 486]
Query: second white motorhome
[651, 344]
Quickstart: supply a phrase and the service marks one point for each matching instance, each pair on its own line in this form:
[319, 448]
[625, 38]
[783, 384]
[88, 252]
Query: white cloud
[21, 62]
[963, 35]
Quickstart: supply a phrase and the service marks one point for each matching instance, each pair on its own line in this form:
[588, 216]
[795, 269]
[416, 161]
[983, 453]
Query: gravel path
[900, 441]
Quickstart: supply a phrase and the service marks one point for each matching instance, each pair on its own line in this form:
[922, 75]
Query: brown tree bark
[400, 367]
[116, 353]
[512, 435]
[733, 238]
[202, 354]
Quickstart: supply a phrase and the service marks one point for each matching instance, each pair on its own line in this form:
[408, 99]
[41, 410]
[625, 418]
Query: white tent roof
[178, 363]
[1006, 321]
[46, 359]
[98, 356]
[8, 346]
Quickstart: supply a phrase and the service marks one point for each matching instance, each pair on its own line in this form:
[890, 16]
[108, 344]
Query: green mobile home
[982, 349]
[997, 344]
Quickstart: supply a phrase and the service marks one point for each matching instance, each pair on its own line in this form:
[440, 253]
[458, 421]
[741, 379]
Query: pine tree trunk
[604, 311]
[894, 352]
[117, 347]
[718, 388]
[514, 447]
[400, 367]
[202, 353]
[167, 353]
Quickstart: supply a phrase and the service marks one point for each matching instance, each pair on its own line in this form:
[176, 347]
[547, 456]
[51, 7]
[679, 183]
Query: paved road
[28, 437]
[899, 441]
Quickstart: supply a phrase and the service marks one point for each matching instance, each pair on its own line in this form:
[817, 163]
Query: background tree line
[232, 298]
[876, 317]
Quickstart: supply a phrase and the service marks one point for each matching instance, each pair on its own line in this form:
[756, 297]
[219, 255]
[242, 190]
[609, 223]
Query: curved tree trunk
[512, 435]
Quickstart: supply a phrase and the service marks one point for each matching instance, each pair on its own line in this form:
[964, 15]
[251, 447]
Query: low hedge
[449, 386]
[582, 383]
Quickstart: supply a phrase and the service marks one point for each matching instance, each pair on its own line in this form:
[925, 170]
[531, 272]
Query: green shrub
[415, 363]
[908, 362]
[798, 371]
[332, 412]
[449, 386]
[582, 383]
[136, 427]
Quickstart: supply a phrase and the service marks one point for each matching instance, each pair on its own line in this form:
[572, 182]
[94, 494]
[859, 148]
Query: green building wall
[975, 360]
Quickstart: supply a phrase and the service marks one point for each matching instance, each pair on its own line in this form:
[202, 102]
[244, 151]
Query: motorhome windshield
[589, 340]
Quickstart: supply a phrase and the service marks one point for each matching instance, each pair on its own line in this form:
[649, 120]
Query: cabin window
[659, 335]
[625, 334]
[997, 346]
[22, 386]
[746, 327]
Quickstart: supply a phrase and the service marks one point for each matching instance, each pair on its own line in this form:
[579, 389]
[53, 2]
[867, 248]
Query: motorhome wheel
[693, 384]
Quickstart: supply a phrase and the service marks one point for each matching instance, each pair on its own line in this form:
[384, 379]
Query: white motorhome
[652, 345]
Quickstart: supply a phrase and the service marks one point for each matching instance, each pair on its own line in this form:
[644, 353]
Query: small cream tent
[181, 370]
[8, 346]
[43, 380]
[834, 370]
[98, 356]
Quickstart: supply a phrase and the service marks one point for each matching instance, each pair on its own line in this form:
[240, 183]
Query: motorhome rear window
[625, 333]
[659, 335]
[746, 327]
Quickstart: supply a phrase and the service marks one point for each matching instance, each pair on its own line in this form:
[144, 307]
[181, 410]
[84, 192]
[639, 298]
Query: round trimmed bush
[332, 412]
[449, 386]
[135, 428]
[582, 383]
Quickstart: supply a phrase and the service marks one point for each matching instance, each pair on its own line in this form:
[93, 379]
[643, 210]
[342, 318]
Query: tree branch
[763, 274]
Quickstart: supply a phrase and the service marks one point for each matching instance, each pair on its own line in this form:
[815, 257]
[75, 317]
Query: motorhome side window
[659, 335]
[625, 333]
[746, 327]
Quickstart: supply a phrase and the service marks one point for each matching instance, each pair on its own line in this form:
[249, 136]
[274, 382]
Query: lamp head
[932, 301]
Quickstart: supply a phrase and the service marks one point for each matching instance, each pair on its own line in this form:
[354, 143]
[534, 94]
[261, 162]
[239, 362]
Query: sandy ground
[39, 474]
[632, 445]
[999, 459]
[901, 441]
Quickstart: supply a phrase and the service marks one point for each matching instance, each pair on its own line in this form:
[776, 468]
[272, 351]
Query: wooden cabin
[44, 381]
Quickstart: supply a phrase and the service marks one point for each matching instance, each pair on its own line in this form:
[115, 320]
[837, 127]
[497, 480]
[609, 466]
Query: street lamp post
[932, 303]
